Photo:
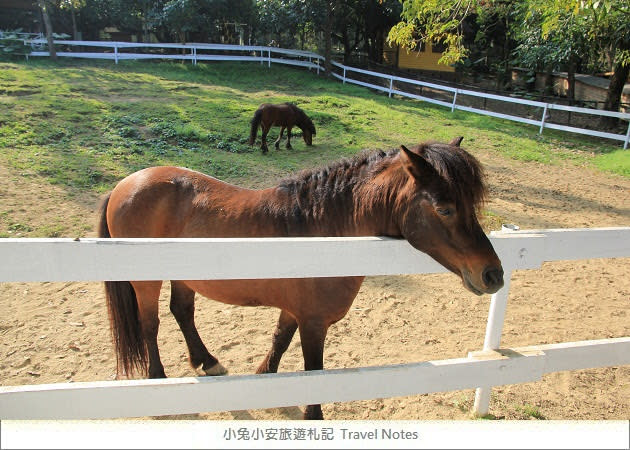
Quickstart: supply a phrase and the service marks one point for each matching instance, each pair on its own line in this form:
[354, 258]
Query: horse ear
[456, 141]
[414, 164]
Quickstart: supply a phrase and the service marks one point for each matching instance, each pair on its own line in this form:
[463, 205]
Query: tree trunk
[613, 95]
[75, 32]
[507, 75]
[146, 35]
[43, 6]
[548, 81]
[347, 47]
[571, 80]
[328, 25]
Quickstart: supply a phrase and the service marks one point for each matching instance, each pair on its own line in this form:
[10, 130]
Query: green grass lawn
[87, 124]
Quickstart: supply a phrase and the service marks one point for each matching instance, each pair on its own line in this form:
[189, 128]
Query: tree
[73, 6]
[370, 20]
[554, 38]
[494, 40]
[557, 33]
[283, 21]
[434, 21]
[205, 20]
[181, 17]
[131, 16]
[44, 6]
[611, 28]
[588, 29]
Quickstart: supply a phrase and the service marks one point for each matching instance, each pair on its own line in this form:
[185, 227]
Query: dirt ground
[57, 332]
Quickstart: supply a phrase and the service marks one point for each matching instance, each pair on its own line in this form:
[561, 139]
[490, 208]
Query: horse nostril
[492, 276]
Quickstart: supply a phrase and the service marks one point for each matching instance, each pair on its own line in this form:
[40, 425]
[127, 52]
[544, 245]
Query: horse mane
[462, 173]
[337, 174]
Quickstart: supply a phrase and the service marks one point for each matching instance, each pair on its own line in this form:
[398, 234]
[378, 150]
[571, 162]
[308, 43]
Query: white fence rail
[195, 52]
[542, 123]
[33, 260]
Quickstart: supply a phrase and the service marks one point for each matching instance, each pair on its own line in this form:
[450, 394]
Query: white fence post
[492, 341]
[544, 117]
[625, 144]
[454, 100]
[391, 86]
[116, 54]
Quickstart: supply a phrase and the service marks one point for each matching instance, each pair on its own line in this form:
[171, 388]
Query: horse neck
[300, 121]
[375, 202]
[351, 206]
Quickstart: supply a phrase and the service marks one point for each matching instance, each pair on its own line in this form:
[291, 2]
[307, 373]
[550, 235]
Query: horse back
[283, 114]
[175, 202]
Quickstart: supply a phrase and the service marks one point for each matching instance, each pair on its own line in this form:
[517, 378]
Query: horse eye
[444, 211]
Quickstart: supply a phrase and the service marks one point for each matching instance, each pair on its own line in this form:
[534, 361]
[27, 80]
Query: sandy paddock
[57, 332]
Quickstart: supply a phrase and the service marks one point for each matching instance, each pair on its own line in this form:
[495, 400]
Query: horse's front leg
[289, 138]
[279, 137]
[183, 308]
[312, 335]
[263, 145]
[282, 336]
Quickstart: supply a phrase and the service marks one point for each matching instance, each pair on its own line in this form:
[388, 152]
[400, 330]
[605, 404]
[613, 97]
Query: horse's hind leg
[147, 295]
[277, 143]
[183, 308]
[285, 329]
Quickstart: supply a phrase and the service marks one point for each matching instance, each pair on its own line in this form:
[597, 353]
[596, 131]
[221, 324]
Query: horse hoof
[216, 370]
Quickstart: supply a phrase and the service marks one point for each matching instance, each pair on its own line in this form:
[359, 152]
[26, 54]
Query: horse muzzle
[491, 281]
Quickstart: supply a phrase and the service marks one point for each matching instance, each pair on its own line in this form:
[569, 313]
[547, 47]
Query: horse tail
[255, 123]
[124, 318]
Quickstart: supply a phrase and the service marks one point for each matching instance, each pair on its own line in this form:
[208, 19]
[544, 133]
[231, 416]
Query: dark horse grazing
[284, 115]
[428, 194]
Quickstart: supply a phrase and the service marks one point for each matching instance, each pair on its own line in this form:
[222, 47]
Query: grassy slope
[85, 125]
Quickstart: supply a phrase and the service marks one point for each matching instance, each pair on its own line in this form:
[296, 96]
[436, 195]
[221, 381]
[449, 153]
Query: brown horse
[285, 115]
[428, 194]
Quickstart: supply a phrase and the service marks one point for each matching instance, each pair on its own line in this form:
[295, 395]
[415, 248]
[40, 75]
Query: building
[423, 59]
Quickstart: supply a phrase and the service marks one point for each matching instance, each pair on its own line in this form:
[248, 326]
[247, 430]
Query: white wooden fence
[195, 52]
[541, 123]
[36, 260]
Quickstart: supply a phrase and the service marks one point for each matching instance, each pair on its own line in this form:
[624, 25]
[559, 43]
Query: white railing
[208, 52]
[35, 260]
[545, 108]
[193, 52]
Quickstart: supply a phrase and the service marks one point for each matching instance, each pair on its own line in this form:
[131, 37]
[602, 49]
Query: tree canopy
[538, 34]
[491, 36]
